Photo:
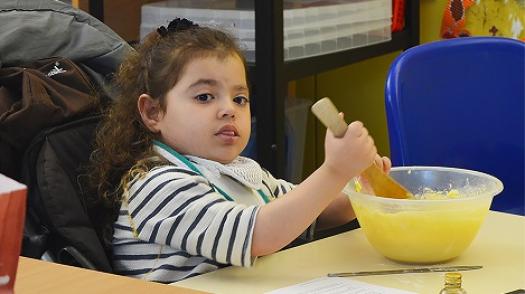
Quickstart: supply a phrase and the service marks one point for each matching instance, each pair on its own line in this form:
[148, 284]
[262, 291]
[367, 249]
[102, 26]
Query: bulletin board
[502, 18]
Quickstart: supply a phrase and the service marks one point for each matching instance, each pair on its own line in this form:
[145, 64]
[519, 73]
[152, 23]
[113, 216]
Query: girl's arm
[340, 211]
[282, 220]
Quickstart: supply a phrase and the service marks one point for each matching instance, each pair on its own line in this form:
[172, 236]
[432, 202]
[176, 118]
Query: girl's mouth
[228, 130]
[228, 134]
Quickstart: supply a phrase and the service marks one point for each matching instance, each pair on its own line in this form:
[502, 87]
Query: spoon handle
[326, 112]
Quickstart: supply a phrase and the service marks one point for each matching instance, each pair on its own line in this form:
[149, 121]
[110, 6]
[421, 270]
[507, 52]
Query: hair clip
[162, 31]
[176, 25]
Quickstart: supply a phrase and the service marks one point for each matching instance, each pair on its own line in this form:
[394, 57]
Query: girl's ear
[150, 112]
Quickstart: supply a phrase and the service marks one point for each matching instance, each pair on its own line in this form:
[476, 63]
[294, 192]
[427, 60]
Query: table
[499, 247]
[41, 277]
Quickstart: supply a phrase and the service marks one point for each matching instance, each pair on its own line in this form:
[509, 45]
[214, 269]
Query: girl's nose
[227, 109]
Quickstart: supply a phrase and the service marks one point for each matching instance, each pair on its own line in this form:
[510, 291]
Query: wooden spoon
[382, 183]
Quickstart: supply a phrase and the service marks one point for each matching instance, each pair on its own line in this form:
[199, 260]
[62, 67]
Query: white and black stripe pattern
[180, 227]
[173, 225]
[168, 266]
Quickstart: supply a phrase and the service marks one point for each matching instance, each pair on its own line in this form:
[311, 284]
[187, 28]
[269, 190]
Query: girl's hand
[349, 155]
[384, 164]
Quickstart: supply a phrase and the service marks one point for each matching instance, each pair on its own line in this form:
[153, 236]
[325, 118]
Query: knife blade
[435, 269]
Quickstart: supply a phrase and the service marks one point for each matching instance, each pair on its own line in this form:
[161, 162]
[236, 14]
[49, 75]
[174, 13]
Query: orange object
[12, 215]
[453, 23]
[398, 15]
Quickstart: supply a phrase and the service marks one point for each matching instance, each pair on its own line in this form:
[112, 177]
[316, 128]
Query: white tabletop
[499, 248]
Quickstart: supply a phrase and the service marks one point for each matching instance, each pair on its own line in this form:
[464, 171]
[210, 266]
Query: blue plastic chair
[460, 103]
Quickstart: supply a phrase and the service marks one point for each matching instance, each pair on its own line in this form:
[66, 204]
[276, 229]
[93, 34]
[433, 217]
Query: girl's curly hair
[123, 143]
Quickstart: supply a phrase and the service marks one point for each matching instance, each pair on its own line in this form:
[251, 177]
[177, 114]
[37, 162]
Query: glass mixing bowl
[425, 231]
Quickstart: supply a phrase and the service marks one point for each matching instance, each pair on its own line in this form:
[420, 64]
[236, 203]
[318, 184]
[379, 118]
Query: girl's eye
[204, 97]
[241, 100]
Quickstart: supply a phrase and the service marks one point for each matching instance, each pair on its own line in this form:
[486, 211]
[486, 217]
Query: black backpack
[61, 224]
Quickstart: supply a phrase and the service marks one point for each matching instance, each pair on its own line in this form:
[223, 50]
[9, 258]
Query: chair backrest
[60, 220]
[460, 103]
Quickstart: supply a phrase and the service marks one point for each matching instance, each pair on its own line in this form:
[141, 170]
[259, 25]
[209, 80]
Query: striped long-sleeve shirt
[173, 224]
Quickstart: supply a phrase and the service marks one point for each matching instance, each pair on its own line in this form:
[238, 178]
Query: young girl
[171, 143]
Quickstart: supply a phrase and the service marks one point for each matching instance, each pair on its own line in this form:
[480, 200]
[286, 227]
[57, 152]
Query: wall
[122, 16]
[358, 90]
[431, 12]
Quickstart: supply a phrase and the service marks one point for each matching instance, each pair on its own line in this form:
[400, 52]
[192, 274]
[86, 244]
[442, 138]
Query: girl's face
[208, 110]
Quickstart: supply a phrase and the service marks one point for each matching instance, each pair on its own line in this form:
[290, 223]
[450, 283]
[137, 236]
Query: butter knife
[435, 269]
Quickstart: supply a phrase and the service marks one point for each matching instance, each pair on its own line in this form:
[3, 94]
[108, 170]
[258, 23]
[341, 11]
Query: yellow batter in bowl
[420, 236]
[438, 225]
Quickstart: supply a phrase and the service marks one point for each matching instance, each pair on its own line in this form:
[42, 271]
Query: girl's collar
[242, 169]
[176, 154]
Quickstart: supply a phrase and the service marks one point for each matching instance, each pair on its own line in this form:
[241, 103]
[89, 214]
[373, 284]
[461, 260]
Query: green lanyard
[195, 169]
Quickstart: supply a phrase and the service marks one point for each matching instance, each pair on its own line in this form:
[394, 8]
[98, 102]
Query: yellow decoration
[503, 18]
